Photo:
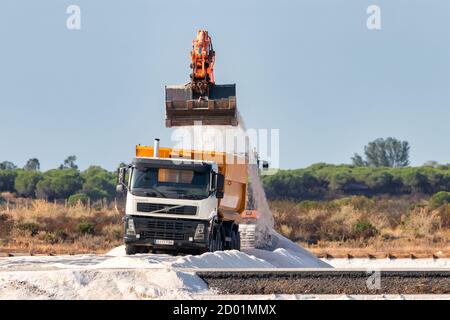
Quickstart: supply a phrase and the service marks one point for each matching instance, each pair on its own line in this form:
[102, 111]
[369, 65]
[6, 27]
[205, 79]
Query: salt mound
[100, 284]
[282, 258]
[221, 259]
[117, 251]
[132, 262]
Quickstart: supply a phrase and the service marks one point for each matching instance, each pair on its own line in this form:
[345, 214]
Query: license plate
[164, 242]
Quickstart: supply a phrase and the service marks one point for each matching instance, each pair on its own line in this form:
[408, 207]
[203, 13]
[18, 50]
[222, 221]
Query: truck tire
[239, 241]
[235, 240]
[216, 239]
[130, 249]
[212, 240]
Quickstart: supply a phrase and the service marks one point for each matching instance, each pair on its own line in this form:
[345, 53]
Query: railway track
[328, 281]
[320, 255]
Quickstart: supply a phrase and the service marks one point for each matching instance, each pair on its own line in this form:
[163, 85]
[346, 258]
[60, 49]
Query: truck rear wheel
[216, 239]
[235, 240]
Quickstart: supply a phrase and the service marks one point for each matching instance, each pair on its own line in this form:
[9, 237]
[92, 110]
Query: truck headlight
[130, 227]
[199, 232]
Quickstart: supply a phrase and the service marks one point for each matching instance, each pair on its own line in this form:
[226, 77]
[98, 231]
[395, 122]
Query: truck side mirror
[219, 194]
[121, 186]
[220, 182]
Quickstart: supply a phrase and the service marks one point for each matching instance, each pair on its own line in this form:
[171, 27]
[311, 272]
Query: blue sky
[309, 68]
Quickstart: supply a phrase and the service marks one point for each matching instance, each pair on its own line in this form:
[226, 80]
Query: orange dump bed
[233, 167]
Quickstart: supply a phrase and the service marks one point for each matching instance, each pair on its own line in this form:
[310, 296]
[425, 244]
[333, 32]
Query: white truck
[182, 200]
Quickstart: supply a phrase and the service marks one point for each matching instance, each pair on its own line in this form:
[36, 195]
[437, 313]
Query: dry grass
[42, 227]
[356, 225]
[362, 226]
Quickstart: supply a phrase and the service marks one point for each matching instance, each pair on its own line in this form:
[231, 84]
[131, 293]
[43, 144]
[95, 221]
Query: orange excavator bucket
[201, 100]
[184, 107]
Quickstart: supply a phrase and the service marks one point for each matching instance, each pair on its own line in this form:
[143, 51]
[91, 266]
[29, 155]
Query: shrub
[439, 199]
[97, 194]
[421, 223]
[444, 214]
[77, 198]
[364, 229]
[58, 235]
[61, 234]
[85, 227]
[48, 237]
[362, 203]
[6, 225]
[97, 206]
[31, 227]
[113, 232]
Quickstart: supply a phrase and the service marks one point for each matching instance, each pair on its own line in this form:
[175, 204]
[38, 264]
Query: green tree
[359, 161]
[381, 152]
[78, 198]
[417, 180]
[379, 180]
[69, 163]
[7, 165]
[7, 178]
[32, 165]
[26, 181]
[98, 183]
[59, 184]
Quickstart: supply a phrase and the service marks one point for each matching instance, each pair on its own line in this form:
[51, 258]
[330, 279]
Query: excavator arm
[202, 62]
[201, 99]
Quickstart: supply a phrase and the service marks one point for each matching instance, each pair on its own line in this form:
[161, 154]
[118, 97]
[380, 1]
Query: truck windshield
[170, 183]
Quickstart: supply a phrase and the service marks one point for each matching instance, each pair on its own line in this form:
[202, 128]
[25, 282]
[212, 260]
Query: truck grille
[161, 235]
[164, 229]
[166, 208]
[166, 225]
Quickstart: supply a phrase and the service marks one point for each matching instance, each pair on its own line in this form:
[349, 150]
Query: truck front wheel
[131, 249]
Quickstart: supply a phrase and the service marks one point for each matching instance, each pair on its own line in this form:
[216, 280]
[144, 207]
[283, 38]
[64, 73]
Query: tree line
[383, 170]
[327, 181]
[61, 183]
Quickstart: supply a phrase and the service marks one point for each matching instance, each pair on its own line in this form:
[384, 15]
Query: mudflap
[185, 108]
[248, 235]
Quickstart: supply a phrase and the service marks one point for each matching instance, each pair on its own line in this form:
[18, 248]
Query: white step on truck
[183, 200]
